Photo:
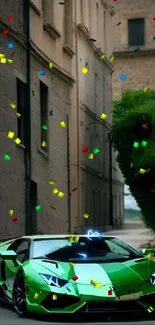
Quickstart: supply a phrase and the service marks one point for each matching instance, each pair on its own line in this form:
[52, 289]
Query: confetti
[10, 212]
[36, 295]
[70, 239]
[7, 158]
[136, 144]
[61, 195]
[146, 89]
[143, 143]
[91, 156]
[44, 144]
[72, 264]
[150, 309]
[12, 54]
[111, 57]
[61, 3]
[84, 70]
[103, 116]
[98, 285]
[9, 61]
[93, 282]
[10, 19]
[74, 189]
[5, 31]
[51, 112]
[51, 65]
[96, 150]
[38, 207]
[2, 55]
[3, 60]
[13, 105]
[84, 149]
[11, 134]
[131, 164]
[52, 182]
[92, 40]
[14, 219]
[122, 77]
[110, 292]
[17, 141]
[102, 56]
[153, 38]
[76, 239]
[51, 77]
[42, 73]
[10, 46]
[91, 123]
[54, 297]
[75, 277]
[45, 127]
[142, 171]
[62, 125]
[55, 191]
[112, 72]
[18, 114]
[154, 19]
[86, 215]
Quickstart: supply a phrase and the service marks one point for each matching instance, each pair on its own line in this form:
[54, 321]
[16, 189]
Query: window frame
[132, 20]
[44, 116]
[21, 109]
[21, 240]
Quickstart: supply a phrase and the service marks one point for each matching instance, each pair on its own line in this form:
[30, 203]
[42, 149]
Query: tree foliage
[126, 112]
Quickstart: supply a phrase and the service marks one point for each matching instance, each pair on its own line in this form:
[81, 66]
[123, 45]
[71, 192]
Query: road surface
[9, 317]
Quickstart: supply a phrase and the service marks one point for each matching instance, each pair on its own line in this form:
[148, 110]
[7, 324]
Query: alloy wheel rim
[19, 299]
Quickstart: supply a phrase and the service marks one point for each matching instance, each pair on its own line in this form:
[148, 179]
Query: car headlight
[53, 280]
[152, 279]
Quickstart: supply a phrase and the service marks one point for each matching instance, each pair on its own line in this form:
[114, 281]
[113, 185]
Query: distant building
[134, 47]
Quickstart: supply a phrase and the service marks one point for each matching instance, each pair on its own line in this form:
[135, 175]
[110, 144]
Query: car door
[21, 247]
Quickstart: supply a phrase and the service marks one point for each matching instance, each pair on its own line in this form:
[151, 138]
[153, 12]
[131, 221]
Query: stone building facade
[133, 29]
[58, 94]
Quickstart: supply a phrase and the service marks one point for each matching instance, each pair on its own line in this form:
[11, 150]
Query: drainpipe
[68, 172]
[110, 181]
[28, 224]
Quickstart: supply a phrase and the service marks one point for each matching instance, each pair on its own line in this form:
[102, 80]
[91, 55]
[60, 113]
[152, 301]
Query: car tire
[19, 295]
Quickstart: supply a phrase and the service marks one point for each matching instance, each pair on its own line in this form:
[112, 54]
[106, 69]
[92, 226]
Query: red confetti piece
[154, 19]
[84, 149]
[74, 189]
[5, 31]
[10, 19]
[115, 0]
[75, 277]
[14, 219]
[110, 292]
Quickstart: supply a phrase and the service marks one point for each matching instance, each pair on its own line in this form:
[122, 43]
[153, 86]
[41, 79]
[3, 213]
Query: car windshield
[91, 249]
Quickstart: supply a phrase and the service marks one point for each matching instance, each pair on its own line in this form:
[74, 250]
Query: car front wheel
[19, 295]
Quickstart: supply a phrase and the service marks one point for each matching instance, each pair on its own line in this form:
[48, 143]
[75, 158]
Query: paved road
[9, 317]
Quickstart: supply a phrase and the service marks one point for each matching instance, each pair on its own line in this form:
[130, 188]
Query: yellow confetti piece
[142, 171]
[84, 70]
[71, 264]
[146, 89]
[102, 56]
[98, 285]
[61, 195]
[111, 57]
[44, 144]
[150, 309]
[93, 282]
[51, 78]
[131, 164]
[62, 124]
[13, 105]
[51, 65]
[10, 212]
[54, 297]
[55, 191]
[36, 295]
[52, 182]
[3, 60]
[2, 55]
[91, 156]
[86, 215]
[149, 255]
[76, 239]
[103, 116]
[9, 61]
[18, 141]
[70, 239]
[112, 72]
[11, 134]
[18, 114]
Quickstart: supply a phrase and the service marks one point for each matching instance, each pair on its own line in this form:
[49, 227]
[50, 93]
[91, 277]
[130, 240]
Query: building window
[48, 11]
[21, 100]
[44, 114]
[136, 32]
[33, 207]
[68, 22]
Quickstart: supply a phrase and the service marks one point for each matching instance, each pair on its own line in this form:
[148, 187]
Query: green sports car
[67, 274]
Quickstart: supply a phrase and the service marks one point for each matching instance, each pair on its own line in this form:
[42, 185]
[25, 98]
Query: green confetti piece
[45, 127]
[136, 144]
[38, 207]
[7, 158]
[143, 143]
[96, 150]
[153, 38]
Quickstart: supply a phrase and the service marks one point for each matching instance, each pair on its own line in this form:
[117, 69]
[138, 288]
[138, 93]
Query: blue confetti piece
[51, 112]
[42, 73]
[10, 46]
[122, 77]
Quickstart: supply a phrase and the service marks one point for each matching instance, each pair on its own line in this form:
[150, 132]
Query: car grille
[63, 301]
[106, 307]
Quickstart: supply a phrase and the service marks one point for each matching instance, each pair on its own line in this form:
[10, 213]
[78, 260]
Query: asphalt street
[9, 317]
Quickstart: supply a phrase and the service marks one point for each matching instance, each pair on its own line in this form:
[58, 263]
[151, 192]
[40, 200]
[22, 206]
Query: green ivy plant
[126, 111]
